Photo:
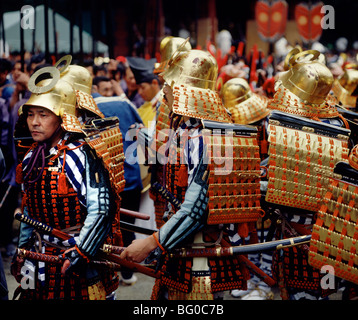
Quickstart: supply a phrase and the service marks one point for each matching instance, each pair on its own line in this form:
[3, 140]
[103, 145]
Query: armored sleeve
[192, 215]
[100, 206]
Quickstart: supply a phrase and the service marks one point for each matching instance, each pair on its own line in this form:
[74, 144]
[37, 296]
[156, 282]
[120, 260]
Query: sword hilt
[36, 224]
[23, 253]
[42, 226]
[166, 195]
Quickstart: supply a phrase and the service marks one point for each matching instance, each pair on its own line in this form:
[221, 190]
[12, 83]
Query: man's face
[42, 124]
[147, 91]
[105, 88]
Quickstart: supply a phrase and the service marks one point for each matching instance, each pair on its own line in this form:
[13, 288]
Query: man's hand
[67, 262]
[139, 249]
[117, 89]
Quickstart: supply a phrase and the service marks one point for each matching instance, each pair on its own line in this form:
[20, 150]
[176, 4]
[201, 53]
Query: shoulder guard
[234, 172]
[334, 233]
[162, 128]
[301, 152]
[105, 138]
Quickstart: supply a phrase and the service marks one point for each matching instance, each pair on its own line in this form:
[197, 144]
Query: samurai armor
[177, 274]
[162, 129]
[199, 103]
[105, 138]
[225, 275]
[293, 272]
[46, 204]
[335, 233]
[349, 101]
[161, 137]
[234, 175]
[345, 88]
[300, 152]
[201, 287]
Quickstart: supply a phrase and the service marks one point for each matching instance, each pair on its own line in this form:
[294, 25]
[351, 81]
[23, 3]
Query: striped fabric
[194, 147]
[187, 220]
[74, 167]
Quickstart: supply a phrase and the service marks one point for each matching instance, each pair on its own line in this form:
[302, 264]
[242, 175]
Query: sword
[220, 251]
[110, 261]
[238, 250]
[65, 236]
[188, 252]
[166, 195]
[42, 227]
[131, 227]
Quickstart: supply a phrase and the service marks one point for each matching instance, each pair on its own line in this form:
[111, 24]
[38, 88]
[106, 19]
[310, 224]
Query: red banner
[271, 19]
[308, 20]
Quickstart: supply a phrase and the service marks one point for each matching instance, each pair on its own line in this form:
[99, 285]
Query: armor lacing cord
[344, 121]
[352, 159]
[39, 151]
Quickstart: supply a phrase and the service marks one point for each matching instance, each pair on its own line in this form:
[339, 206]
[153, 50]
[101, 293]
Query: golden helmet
[55, 95]
[345, 88]
[79, 77]
[287, 62]
[304, 88]
[194, 68]
[353, 157]
[244, 105]
[234, 91]
[168, 46]
[81, 80]
[308, 79]
[349, 81]
[192, 75]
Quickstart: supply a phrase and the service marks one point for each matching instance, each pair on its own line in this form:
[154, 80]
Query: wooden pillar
[121, 34]
[155, 27]
[46, 27]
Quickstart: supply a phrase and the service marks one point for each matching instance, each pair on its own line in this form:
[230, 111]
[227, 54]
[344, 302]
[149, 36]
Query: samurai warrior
[307, 137]
[65, 185]
[201, 188]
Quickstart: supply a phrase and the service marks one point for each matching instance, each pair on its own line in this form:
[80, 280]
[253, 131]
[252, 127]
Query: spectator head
[103, 86]
[143, 71]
